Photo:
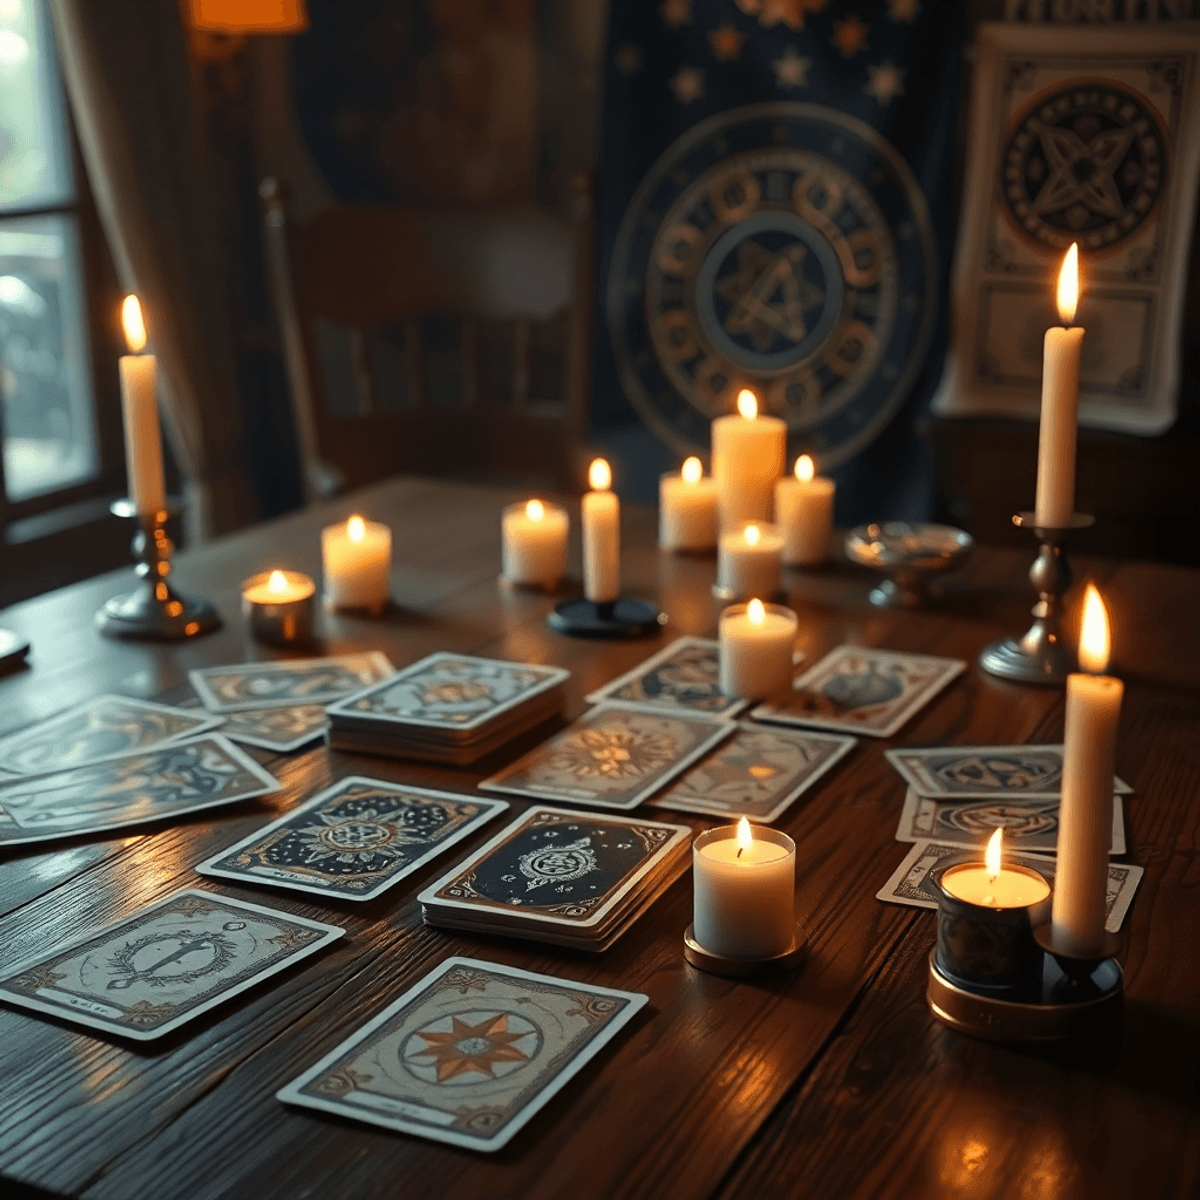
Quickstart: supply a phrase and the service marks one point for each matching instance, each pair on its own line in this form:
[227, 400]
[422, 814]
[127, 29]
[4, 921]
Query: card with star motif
[145, 975]
[758, 773]
[354, 840]
[287, 681]
[468, 1054]
[611, 757]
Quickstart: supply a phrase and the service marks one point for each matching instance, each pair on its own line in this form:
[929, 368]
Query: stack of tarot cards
[568, 878]
[448, 708]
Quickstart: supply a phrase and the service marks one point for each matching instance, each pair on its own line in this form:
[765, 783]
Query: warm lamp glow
[744, 837]
[535, 510]
[747, 404]
[1068, 285]
[599, 475]
[355, 529]
[249, 16]
[805, 469]
[693, 469]
[993, 855]
[752, 533]
[1094, 640]
[135, 327]
[755, 613]
[277, 583]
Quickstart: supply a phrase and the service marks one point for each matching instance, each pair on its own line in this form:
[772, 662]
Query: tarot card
[98, 729]
[130, 789]
[282, 729]
[562, 868]
[683, 676]
[612, 757]
[451, 691]
[288, 681]
[1029, 822]
[354, 840]
[910, 882]
[151, 972]
[756, 774]
[857, 689]
[983, 772]
[467, 1055]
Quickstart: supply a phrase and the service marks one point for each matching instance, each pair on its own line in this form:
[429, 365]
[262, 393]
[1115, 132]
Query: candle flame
[277, 583]
[1068, 285]
[805, 468]
[752, 533]
[356, 530]
[1095, 642]
[756, 614]
[692, 470]
[747, 404]
[744, 837]
[993, 855]
[535, 510]
[599, 475]
[135, 326]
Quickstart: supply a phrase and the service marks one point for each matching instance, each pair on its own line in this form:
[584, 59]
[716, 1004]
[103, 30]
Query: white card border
[198, 678]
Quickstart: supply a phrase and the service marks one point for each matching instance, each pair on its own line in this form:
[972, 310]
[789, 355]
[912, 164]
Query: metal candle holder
[1039, 655]
[154, 610]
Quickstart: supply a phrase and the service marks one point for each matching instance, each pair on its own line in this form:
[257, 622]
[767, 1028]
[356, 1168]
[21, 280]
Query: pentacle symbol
[460, 1047]
[981, 819]
[994, 773]
[160, 959]
[557, 864]
[1087, 163]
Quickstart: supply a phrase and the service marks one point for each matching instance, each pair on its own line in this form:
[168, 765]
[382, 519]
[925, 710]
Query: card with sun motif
[354, 840]
[611, 757]
[287, 681]
[468, 1055]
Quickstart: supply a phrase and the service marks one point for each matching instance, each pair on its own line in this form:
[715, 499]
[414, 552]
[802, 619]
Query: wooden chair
[436, 342]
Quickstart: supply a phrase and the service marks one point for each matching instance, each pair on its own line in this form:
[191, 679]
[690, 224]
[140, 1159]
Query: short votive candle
[757, 642]
[534, 548]
[357, 558]
[687, 509]
[278, 607]
[749, 561]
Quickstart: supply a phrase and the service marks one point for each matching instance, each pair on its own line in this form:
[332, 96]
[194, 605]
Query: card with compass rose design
[145, 975]
[354, 840]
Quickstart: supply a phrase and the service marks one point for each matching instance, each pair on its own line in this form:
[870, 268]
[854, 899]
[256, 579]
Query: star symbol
[1082, 172]
[752, 288]
[628, 58]
[885, 82]
[472, 1047]
[791, 70]
[726, 43]
[688, 84]
[850, 36]
[903, 10]
[787, 12]
[676, 13]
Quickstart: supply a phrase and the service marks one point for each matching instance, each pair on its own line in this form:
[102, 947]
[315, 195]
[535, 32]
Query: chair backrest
[438, 342]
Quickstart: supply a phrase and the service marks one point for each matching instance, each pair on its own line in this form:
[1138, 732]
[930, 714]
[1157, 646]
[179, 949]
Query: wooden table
[832, 1082]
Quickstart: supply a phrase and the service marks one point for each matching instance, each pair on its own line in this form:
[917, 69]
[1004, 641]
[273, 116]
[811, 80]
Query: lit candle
[804, 514]
[535, 543]
[139, 388]
[278, 606]
[601, 536]
[357, 558]
[748, 454]
[748, 561]
[687, 509]
[993, 885]
[1086, 809]
[744, 900]
[1060, 405]
[756, 646]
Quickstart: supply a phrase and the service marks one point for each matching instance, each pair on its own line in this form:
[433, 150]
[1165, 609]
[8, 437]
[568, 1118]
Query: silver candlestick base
[154, 610]
[1040, 655]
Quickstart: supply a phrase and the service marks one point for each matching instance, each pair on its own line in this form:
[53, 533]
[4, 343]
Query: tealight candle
[687, 509]
[601, 536]
[535, 543]
[139, 408]
[748, 561]
[357, 558]
[748, 454]
[278, 606]
[804, 514]
[744, 900]
[756, 645]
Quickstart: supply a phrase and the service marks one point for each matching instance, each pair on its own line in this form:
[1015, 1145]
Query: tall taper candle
[139, 407]
[601, 536]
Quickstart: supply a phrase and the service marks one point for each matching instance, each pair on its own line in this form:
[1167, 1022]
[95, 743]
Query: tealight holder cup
[283, 620]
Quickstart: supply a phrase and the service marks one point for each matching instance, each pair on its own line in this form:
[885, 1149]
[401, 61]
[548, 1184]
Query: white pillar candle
[804, 514]
[1055, 505]
[748, 453]
[1086, 809]
[534, 543]
[748, 561]
[757, 641]
[601, 537]
[744, 899]
[357, 558]
[139, 407]
[687, 509]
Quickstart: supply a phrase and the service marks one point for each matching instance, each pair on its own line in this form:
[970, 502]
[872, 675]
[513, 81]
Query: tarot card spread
[860, 690]
[468, 1055]
[289, 681]
[612, 757]
[756, 774]
[151, 972]
[281, 729]
[130, 789]
[98, 729]
[354, 840]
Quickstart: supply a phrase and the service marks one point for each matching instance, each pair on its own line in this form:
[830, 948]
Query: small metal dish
[910, 555]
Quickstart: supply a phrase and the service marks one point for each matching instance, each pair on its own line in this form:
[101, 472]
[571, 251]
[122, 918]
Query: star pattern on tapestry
[675, 13]
[850, 35]
[903, 10]
[791, 71]
[781, 12]
[688, 84]
[885, 82]
[628, 58]
[726, 43]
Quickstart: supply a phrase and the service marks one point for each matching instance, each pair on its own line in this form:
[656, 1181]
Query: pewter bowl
[910, 555]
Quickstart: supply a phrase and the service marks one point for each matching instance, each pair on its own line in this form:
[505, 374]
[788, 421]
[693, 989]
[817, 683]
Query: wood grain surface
[833, 1081]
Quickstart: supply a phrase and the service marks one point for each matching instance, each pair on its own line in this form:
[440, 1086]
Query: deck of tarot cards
[447, 708]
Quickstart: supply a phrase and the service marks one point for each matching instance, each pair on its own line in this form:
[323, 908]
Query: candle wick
[740, 849]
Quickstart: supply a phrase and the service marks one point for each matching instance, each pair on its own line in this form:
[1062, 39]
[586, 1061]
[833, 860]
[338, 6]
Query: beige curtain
[128, 78]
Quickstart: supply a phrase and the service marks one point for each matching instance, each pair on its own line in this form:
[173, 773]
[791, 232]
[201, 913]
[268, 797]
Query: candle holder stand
[743, 968]
[623, 618]
[1040, 655]
[154, 610]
